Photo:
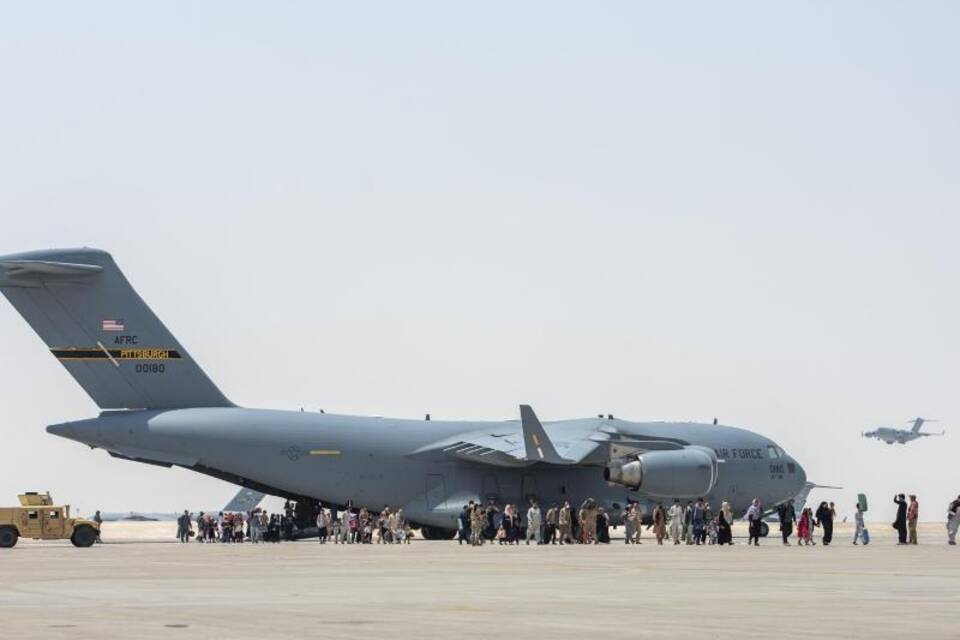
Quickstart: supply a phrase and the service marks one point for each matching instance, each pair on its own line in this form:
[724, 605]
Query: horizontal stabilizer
[38, 270]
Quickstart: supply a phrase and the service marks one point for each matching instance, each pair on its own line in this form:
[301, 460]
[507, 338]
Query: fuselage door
[436, 493]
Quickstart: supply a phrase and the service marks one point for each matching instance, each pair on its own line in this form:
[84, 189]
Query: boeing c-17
[157, 406]
[901, 436]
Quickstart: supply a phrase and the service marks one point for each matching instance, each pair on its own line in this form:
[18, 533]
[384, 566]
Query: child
[805, 527]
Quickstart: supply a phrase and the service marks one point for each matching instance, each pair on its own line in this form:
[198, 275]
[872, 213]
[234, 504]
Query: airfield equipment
[38, 518]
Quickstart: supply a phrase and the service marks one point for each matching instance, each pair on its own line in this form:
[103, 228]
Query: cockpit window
[774, 451]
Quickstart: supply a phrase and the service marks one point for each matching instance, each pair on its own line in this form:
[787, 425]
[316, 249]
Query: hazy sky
[659, 210]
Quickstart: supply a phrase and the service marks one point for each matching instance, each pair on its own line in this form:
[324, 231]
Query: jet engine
[685, 473]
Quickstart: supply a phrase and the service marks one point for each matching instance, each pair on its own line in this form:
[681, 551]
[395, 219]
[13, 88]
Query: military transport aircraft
[901, 436]
[159, 407]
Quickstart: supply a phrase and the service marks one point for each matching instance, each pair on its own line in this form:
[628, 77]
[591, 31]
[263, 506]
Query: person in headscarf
[805, 527]
[659, 522]
[754, 518]
[603, 526]
[725, 524]
[953, 521]
[824, 516]
[506, 524]
[788, 516]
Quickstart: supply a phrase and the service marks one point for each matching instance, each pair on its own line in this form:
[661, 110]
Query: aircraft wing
[516, 444]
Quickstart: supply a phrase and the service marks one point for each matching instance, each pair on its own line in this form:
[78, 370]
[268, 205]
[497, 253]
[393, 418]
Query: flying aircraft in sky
[901, 436]
[159, 407]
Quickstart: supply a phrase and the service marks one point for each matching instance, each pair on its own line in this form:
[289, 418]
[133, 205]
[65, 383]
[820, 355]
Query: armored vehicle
[38, 518]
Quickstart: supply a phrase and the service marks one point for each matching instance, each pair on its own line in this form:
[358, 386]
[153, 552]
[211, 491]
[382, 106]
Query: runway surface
[442, 590]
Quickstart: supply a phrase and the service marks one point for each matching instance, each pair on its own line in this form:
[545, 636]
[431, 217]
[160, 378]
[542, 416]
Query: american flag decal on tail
[112, 325]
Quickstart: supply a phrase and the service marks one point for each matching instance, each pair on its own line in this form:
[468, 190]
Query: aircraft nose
[63, 430]
[801, 475]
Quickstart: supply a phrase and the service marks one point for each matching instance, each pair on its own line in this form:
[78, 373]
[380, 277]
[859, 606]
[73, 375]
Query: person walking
[99, 520]
[805, 527]
[725, 524]
[477, 520]
[563, 523]
[322, 524]
[603, 526]
[676, 521]
[184, 526]
[659, 523]
[953, 521]
[788, 516]
[638, 515]
[534, 521]
[588, 521]
[688, 523]
[253, 523]
[463, 523]
[900, 524]
[913, 514]
[754, 517]
[858, 520]
[629, 530]
[550, 528]
[697, 521]
[824, 516]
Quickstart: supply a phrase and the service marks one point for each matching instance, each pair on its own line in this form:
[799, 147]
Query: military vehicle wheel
[764, 529]
[83, 536]
[8, 537]
[435, 533]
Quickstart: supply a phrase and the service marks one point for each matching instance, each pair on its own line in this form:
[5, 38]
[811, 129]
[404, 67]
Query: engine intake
[685, 473]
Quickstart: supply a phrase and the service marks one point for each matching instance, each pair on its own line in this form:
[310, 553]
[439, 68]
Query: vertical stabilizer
[95, 324]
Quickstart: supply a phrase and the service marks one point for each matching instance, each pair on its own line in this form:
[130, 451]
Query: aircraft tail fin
[84, 309]
[917, 423]
[539, 447]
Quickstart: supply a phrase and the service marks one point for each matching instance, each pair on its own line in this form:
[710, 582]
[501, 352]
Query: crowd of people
[353, 526]
[693, 523]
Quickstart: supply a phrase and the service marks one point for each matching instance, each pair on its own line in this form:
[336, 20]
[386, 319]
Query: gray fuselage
[370, 462]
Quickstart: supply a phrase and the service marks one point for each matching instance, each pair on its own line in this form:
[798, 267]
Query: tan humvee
[38, 518]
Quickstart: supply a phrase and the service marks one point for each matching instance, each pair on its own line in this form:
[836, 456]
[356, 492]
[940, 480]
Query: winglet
[539, 448]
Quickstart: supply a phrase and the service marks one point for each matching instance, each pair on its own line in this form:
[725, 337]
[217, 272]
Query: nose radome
[801, 476]
[62, 430]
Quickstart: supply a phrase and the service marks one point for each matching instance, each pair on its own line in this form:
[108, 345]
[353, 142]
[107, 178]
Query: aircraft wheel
[83, 536]
[8, 537]
[764, 529]
[435, 533]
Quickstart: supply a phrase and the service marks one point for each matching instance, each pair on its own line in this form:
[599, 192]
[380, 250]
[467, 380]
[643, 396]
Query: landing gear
[436, 533]
[764, 529]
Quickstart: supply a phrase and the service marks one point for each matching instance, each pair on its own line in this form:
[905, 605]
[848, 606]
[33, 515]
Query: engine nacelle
[684, 473]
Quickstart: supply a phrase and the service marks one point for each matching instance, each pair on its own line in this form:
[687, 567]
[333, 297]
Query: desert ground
[140, 583]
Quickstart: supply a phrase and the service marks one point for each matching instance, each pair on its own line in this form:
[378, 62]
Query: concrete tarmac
[431, 590]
